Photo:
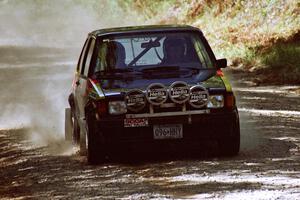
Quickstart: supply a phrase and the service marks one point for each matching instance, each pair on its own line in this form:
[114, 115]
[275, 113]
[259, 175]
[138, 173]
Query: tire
[95, 147]
[231, 145]
[68, 124]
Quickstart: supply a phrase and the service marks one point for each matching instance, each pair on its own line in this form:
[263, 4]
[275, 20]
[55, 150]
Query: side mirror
[222, 63]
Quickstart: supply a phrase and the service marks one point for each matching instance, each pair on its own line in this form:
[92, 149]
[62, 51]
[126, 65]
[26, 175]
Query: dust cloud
[58, 23]
[40, 42]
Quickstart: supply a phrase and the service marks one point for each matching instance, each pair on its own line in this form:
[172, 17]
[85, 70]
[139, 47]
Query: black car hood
[207, 78]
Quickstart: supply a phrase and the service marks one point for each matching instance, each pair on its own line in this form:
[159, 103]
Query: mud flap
[68, 124]
[82, 143]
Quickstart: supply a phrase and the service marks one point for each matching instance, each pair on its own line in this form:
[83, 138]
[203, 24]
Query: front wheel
[231, 145]
[94, 144]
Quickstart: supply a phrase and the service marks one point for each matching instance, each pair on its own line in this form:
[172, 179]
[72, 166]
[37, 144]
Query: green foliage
[277, 64]
[283, 55]
[283, 60]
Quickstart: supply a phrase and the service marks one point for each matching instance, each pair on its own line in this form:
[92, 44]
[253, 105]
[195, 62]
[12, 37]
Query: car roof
[143, 29]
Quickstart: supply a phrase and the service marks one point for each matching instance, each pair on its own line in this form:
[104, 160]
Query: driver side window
[83, 56]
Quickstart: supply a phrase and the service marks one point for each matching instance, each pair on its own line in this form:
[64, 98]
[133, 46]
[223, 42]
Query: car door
[81, 84]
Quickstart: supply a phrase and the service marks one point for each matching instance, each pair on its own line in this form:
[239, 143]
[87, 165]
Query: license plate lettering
[172, 131]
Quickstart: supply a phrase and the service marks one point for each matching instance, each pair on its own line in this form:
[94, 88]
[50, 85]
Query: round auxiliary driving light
[135, 100]
[198, 96]
[179, 92]
[156, 94]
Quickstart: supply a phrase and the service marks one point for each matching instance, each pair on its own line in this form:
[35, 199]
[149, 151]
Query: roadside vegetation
[261, 37]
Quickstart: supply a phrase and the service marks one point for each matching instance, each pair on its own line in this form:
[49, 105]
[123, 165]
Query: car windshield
[126, 53]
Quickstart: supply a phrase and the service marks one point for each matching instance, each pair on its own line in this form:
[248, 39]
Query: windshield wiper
[160, 68]
[116, 70]
[118, 74]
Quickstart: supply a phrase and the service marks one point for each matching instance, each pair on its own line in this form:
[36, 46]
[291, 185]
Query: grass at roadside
[281, 63]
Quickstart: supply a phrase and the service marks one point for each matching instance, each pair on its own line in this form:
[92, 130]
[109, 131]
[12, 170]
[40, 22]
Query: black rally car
[150, 86]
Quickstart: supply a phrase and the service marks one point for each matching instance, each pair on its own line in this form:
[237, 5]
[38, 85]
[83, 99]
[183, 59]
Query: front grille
[158, 109]
[166, 107]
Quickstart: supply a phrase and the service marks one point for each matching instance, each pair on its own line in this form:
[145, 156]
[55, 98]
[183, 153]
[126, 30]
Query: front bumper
[196, 128]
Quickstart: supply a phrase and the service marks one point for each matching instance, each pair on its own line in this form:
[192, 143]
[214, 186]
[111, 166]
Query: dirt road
[35, 162]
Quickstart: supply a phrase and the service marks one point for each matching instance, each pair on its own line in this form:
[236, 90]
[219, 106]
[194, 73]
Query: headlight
[117, 107]
[215, 101]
